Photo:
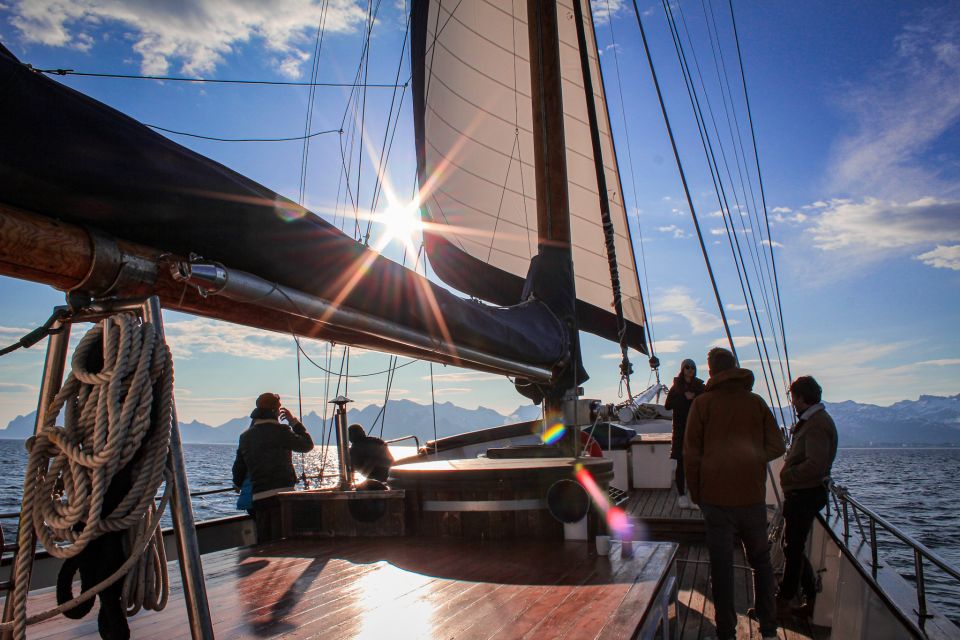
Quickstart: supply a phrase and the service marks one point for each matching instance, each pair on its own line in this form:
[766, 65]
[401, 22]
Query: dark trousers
[266, 516]
[680, 478]
[724, 525]
[800, 507]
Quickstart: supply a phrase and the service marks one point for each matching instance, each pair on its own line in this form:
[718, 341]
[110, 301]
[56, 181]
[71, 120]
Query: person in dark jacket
[686, 387]
[731, 436]
[368, 454]
[806, 467]
[265, 455]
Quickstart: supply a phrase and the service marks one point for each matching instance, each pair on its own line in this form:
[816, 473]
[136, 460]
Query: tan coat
[811, 455]
[731, 436]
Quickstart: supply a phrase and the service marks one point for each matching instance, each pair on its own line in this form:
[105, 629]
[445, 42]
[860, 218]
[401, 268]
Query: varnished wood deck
[406, 588]
[662, 519]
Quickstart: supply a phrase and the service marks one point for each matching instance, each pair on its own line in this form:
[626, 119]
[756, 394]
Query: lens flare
[553, 434]
[617, 520]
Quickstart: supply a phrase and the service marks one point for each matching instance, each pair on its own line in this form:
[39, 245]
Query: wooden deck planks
[404, 588]
[694, 614]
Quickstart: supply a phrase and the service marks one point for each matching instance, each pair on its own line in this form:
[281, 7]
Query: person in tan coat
[805, 469]
[730, 437]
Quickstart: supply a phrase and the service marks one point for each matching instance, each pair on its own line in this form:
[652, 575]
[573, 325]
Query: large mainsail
[472, 111]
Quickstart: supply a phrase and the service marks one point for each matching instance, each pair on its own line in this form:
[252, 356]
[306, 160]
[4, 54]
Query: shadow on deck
[693, 618]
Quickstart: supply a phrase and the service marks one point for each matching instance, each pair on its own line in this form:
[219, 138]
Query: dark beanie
[268, 401]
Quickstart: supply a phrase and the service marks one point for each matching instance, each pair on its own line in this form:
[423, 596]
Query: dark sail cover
[67, 156]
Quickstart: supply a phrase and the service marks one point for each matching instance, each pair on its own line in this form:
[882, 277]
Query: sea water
[914, 489]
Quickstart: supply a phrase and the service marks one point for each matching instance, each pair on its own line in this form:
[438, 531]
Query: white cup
[603, 545]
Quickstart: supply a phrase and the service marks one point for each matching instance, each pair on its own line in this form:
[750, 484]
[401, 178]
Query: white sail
[477, 174]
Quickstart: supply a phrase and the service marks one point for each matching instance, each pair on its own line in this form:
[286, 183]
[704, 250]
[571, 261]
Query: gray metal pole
[343, 450]
[191, 567]
[53, 368]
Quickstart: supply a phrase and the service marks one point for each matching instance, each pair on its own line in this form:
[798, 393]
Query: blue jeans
[724, 525]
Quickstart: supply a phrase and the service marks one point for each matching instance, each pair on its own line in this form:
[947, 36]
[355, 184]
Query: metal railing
[416, 440]
[851, 510]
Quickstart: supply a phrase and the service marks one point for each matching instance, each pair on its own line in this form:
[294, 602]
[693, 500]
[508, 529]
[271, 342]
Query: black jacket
[371, 457]
[677, 402]
[265, 454]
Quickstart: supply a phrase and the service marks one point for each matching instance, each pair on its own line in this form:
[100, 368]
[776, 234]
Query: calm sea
[914, 489]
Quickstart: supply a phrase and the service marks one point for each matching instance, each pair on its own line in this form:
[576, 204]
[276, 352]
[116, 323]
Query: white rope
[108, 417]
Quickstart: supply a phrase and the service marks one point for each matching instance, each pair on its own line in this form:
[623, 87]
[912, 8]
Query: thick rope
[108, 416]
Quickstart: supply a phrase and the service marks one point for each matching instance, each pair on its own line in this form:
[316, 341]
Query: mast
[553, 203]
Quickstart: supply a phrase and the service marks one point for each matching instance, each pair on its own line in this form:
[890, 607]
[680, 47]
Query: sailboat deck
[406, 588]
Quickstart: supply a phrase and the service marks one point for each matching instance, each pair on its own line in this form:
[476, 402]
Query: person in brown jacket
[806, 467]
[731, 435]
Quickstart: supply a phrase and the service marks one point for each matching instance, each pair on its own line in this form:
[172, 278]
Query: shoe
[684, 502]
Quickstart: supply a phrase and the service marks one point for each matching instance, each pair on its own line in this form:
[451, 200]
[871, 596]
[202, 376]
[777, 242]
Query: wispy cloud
[907, 104]
[14, 387]
[603, 10]
[738, 341]
[451, 391]
[873, 228]
[677, 301]
[669, 346]
[943, 257]
[673, 230]
[200, 335]
[195, 37]
[464, 376]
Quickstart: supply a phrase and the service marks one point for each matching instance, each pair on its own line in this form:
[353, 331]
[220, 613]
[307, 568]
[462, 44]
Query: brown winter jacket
[811, 455]
[731, 435]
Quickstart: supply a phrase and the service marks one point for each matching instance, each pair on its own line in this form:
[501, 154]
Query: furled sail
[68, 157]
[472, 112]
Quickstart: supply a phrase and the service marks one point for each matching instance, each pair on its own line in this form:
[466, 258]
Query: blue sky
[857, 114]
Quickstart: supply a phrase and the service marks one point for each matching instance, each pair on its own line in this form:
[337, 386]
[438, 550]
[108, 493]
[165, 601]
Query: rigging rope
[216, 139]
[763, 197]
[732, 237]
[118, 403]
[609, 234]
[286, 83]
[683, 178]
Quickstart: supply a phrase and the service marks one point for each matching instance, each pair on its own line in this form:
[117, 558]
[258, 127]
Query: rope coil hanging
[117, 404]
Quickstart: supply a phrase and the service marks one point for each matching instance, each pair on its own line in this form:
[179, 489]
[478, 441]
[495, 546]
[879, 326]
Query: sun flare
[401, 223]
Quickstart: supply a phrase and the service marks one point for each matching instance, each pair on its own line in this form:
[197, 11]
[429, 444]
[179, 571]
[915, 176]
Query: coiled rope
[115, 414]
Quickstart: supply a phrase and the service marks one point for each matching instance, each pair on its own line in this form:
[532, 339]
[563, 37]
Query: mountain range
[927, 421]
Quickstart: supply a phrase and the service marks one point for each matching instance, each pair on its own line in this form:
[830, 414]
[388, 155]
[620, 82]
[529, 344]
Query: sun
[402, 224]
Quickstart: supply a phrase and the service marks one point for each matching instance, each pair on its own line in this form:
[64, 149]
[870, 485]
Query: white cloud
[200, 335]
[669, 346]
[875, 228]
[736, 307]
[944, 362]
[781, 210]
[905, 105]
[195, 36]
[14, 387]
[738, 341]
[451, 391]
[674, 230]
[767, 243]
[942, 257]
[464, 376]
[677, 301]
[604, 9]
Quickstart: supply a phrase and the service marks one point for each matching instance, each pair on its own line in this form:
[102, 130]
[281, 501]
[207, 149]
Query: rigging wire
[763, 199]
[633, 181]
[683, 178]
[764, 272]
[732, 237]
[707, 144]
[217, 139]
[284, 83]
